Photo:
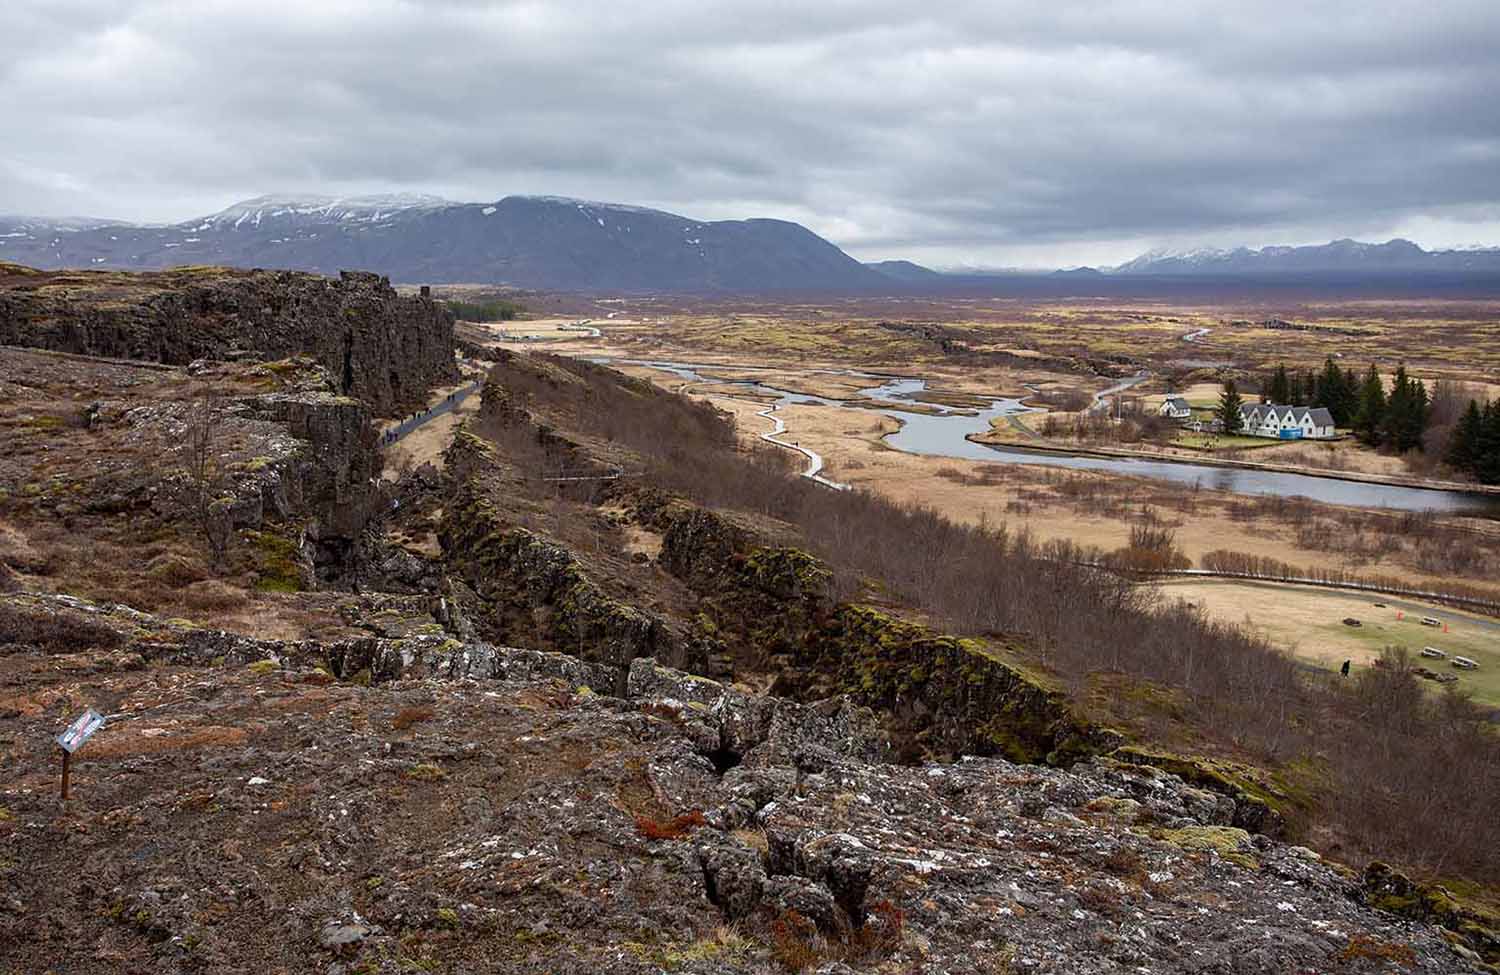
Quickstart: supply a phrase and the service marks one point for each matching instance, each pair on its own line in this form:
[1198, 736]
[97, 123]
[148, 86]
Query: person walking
[1345, 669]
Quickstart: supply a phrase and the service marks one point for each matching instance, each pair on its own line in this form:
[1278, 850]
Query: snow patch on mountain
[371, 209]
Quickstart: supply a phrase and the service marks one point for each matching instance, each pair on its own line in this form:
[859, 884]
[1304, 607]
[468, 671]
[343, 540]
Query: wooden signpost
[82, 728]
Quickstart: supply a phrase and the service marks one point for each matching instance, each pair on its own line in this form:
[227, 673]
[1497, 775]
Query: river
[944, 434]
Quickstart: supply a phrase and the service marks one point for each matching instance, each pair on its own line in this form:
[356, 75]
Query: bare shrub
[206, 474]
[1061, 400]
[1418, 784]
[55, 631]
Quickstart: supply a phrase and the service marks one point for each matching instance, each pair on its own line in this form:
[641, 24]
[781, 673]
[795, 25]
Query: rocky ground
[489, 809]
[427, 723]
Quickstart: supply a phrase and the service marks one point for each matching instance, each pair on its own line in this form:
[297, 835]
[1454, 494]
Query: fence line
[1486, 606]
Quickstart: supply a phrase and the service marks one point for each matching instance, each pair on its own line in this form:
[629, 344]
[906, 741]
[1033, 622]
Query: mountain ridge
[1344, 254]
[550, 242]
[546, 242]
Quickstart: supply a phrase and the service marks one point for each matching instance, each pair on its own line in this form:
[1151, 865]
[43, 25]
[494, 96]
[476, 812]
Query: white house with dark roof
[1176, 408]
[1287, 422]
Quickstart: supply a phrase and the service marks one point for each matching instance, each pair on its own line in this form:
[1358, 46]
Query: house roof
[1176, 402]
[1320, 416]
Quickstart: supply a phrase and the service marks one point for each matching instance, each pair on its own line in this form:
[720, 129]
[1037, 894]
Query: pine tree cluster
[1393, 419]
[1336, 390]
[1475, 446]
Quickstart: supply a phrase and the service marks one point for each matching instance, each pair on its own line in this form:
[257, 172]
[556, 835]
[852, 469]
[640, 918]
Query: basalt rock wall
[378, 346]
[939, 694]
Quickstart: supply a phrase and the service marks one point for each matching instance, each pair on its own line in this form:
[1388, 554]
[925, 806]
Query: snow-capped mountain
[1344, 255]
[313, 209]
[543, 242]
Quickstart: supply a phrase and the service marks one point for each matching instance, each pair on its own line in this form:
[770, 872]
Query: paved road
[1120, 387]
[446, 405]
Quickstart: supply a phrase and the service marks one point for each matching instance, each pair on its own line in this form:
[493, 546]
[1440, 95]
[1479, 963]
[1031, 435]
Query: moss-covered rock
[1259, 805]
[279, 561]
[773, 607]
[539, 595]
[1387, 889]
[1229, 842]
[949, 695]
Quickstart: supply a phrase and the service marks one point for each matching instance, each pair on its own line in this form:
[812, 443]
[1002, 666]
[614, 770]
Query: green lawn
[1466, 639]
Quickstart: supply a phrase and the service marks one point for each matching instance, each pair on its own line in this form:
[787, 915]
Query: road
[582, 326]
[1120, 387]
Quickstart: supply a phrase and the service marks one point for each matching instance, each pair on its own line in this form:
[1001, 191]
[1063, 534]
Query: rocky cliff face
[431, 804]
[380, 347]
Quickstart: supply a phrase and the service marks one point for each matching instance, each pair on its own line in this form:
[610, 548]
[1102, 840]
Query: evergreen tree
[1351, 396]
[1417, 415]
[1228, 410]
[1397, 411]
[1468, 435]
[1405, 413]
[1279, 388]
[1371, 415]
[1487, 459]
[1335, 393]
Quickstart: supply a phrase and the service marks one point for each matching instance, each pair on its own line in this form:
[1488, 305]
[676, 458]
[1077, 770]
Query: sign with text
[80, 730]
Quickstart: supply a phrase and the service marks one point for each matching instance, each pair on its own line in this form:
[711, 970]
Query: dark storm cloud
[954, 130]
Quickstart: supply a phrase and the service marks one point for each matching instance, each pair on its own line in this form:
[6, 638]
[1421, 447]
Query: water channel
[944, 433]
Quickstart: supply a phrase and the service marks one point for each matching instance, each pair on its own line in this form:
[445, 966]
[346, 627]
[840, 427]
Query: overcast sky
[950, 132]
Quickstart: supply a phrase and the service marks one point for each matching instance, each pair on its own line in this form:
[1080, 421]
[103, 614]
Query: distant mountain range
[1339, 256]
[542, 242]
[562, 244]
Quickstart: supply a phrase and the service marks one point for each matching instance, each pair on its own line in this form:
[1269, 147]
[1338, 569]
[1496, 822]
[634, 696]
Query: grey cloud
[959, 129]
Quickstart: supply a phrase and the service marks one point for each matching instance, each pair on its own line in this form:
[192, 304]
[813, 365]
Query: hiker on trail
[1345, 669]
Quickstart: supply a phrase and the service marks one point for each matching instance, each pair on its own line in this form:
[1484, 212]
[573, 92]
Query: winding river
[945, 433]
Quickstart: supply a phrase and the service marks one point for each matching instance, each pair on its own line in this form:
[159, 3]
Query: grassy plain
[1310, 621]
[995, 348]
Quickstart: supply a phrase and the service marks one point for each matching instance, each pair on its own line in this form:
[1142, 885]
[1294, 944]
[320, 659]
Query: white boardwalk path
[814, 459]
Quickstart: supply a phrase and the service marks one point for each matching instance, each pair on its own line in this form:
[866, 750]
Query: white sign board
[80, 730]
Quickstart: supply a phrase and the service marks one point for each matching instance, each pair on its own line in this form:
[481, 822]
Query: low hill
[906, 271]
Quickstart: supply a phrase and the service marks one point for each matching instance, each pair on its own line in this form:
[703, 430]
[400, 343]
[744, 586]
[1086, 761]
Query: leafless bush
[59, 632]
[1420, 785]
[207, 478]
[1061, 400]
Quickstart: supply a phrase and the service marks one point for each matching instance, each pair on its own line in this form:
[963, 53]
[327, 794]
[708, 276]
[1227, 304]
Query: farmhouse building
[1286, 422]
[1176, 408]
